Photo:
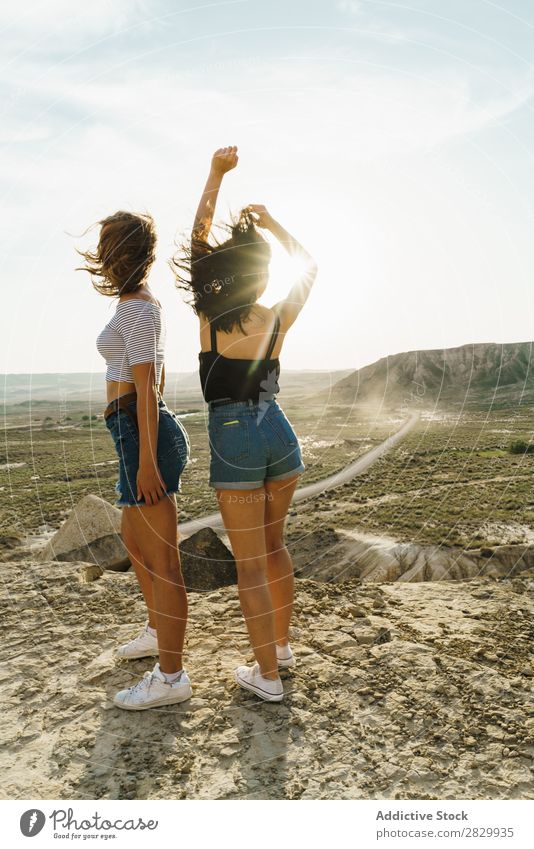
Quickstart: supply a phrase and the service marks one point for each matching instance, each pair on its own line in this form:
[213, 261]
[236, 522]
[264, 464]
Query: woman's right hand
[224, 160]
[150, 484]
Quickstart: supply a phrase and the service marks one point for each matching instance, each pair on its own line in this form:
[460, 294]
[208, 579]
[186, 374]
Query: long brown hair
[124, 254]
[223, 278]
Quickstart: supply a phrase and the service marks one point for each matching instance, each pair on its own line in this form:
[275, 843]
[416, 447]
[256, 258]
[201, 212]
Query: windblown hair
[124, 254]
[223, 278]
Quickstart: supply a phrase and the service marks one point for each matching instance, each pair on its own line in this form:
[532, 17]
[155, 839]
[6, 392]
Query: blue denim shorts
[173, 452]
[251, 443]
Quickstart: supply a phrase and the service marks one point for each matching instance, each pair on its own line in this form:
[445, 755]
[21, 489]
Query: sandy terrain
[401, 690]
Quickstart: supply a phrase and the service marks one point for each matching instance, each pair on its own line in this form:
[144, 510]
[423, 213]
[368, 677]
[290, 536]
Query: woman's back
[244, 367]
[249, 345]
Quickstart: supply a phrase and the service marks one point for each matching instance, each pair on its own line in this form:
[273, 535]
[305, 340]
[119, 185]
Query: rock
[383, 635]
[364, 635]
[90, 572]
[369, 634]
[90, 533]
[227, 751]
[9, 541]
[206, 562]
[494, 732]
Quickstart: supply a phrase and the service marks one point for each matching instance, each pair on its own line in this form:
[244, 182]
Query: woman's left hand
[262, 216]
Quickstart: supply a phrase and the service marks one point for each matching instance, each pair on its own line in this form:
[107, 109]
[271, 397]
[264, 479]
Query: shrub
[521, 447]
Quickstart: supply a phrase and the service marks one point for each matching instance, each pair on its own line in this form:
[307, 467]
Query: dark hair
[223, 278]
[124, 254]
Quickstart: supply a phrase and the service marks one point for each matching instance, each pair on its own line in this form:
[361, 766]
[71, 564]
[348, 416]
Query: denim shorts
[251, 443]
[172, 453]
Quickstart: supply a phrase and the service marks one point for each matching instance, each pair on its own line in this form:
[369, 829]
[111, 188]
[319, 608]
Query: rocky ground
[401, 691]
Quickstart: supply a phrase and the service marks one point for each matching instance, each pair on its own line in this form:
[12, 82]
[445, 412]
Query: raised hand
[260, 214]
[223, 160]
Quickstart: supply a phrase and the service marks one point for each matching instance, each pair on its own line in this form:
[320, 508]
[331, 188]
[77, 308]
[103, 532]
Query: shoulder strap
[213, 333]
[274, 337]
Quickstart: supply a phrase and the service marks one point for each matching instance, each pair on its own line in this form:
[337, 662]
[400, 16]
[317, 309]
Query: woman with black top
[255, 455]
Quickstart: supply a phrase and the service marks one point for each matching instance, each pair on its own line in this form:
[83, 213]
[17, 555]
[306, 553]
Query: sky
[393, 139]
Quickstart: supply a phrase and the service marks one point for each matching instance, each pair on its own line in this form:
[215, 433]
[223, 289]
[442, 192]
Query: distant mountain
[28, 390]
[471, 375]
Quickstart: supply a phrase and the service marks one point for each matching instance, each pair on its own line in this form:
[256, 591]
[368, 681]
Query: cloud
[138, 139]
[332, 106]
[351, 7]
[47, 18]
[370, 23]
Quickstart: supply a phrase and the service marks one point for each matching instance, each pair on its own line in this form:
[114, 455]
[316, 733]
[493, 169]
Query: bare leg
[156, 536]
[143, 575]
[279, 564]
[243, 515]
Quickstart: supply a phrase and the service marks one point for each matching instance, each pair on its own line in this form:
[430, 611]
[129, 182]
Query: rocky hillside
[401, 691]
[335, 556]
[477, 374]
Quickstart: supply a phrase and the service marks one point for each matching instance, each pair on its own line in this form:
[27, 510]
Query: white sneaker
[153, 690]
[250, 678]
[145, 645]
[285, 656]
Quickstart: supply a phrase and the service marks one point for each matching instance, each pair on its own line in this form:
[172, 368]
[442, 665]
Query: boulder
[91, 533]
[207, 564]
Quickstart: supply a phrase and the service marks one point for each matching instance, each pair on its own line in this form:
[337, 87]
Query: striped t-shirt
[135, 334]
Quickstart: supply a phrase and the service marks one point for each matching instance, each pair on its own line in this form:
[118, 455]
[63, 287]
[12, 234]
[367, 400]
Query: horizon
[289, 370]
[394, 142]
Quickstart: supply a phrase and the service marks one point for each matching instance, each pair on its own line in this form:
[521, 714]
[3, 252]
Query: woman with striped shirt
[152, 447]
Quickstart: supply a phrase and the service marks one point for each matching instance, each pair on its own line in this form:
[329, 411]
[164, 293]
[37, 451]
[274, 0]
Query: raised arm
[223, 160]
[290, 307]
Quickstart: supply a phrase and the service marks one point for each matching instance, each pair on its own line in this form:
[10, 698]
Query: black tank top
[240, 380]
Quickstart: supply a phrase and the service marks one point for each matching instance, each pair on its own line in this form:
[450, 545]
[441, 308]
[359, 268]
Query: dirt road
[346, 474]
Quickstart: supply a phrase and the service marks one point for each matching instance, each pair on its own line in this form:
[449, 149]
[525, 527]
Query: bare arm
[223, 160]
[162, 380]
[150, 484]
[290, 307]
